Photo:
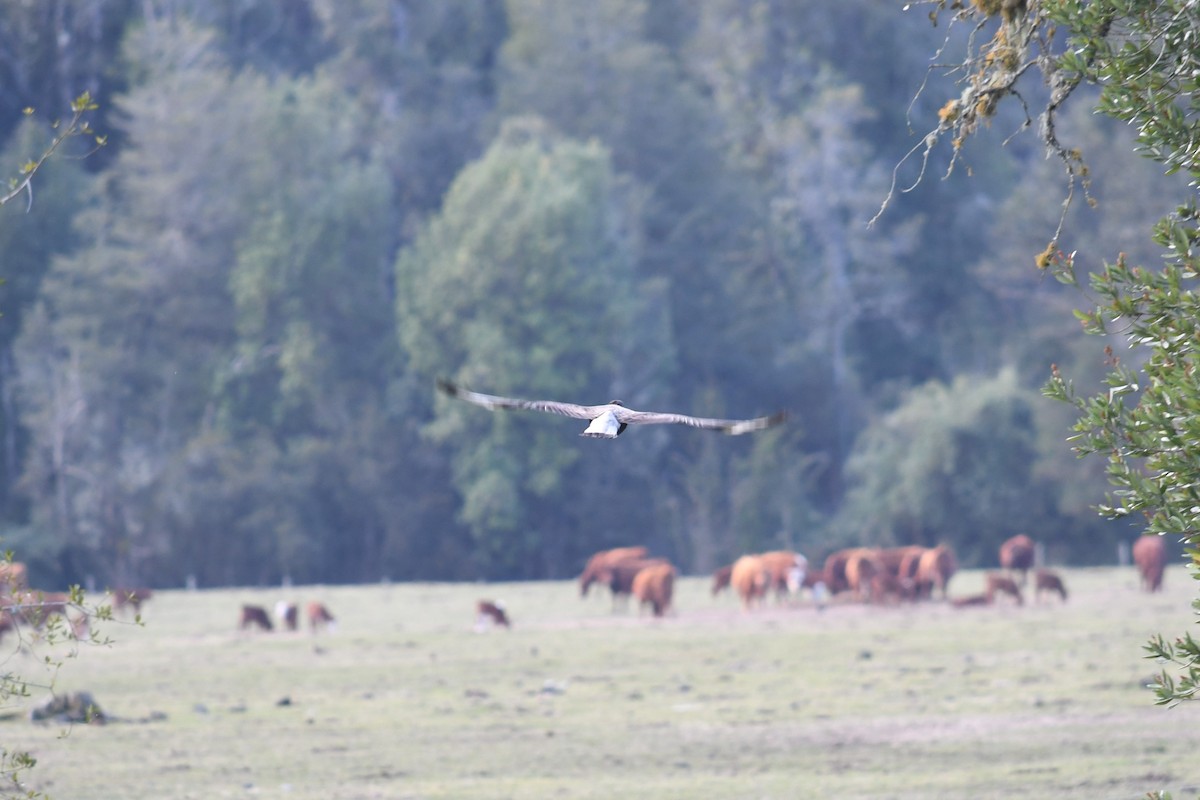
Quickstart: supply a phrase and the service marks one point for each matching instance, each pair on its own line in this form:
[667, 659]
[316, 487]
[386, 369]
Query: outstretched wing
[733, 427]
[492, 402]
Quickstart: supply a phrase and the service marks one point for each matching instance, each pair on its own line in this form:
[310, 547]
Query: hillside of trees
[220, 333]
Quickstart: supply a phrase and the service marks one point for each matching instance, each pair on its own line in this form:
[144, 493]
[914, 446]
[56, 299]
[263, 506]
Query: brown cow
[720, 579]
[130, 598]
[750, 579]
[490, 612]
[35, 607]
[1002, 583]
[255, 615]
[886, 587]
[599, 564]
[935, 568]
[319, 617]
[1045, 580]
[902, 561]
[1017, 554]
[13, 577]
[1150, 556]
[971, 600]
[654, 585]
[835, 571]
[619, 576]
[862, 565]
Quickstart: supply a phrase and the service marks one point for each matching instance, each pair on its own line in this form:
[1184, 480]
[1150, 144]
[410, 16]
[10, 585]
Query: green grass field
[406, 700]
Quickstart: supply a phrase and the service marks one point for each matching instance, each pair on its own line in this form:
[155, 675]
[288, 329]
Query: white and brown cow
[288, 614]
[319, 617]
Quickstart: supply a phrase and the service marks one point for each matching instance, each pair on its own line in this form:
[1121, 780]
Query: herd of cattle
[288, 616]
[35, 608]
[863, 574]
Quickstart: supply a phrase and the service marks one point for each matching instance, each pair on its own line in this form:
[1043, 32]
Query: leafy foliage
[1183, 654]
[77, 126]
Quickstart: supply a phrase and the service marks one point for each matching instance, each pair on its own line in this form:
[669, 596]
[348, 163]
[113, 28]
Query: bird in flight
[610, 420]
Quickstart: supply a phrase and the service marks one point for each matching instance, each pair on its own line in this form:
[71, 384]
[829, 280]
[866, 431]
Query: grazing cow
[490, 612]
[288, 614]
[1002, 583]
[619, 576]
[862, 565]
[720, 579]
[654, 585]
[971, 600]
[1017, 554]
[750, 579]
[35, 607]
[599, 564]
[130, 598]
[886, 587]
[12, 577]
[934, 570]
[785, 571]
[902, 561]
[1045, 580]
[255, 615]
[1150, 556]
[319, 617]
[835, 571]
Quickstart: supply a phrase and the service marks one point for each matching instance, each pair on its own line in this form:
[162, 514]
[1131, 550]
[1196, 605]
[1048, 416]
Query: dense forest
[221, 331]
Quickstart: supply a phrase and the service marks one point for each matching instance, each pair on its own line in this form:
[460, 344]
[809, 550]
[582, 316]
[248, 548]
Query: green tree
[1141, 55]
[524, 282]
[315, 345]
[31, 234]
[108, 396]
[592, 71]
[607, 70]
[230, 307]
[954, 464]
[424, 75]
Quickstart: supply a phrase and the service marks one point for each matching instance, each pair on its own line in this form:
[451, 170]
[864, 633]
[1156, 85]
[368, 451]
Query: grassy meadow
[405, 700]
